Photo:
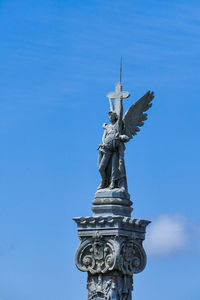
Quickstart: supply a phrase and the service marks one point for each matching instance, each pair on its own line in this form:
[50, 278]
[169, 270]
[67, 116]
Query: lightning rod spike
[121, 70]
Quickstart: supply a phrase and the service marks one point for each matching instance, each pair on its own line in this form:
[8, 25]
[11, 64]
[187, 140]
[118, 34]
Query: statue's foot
[112, 186]
[101, 186]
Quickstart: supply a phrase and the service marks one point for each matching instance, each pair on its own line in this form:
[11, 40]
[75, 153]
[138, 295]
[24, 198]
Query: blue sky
[59, 59]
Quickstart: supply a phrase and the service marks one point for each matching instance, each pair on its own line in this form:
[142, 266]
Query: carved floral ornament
[132, 258]
[99, 288]
[107, 287]
[102, 254]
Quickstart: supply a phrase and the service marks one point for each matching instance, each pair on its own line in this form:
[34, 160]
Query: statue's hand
[124, 138]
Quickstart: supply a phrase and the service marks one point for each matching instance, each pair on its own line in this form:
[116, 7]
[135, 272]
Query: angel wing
[135, 116]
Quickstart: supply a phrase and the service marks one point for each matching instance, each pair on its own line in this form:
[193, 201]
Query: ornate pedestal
[111, 248]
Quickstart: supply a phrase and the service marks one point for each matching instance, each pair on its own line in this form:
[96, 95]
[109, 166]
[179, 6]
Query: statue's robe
[114, 149]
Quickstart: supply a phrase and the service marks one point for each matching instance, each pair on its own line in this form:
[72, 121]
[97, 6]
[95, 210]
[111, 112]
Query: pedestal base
[111, 249]
[111, 252]
[112, 203]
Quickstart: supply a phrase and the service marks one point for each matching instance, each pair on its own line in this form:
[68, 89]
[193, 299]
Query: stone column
[111, 249]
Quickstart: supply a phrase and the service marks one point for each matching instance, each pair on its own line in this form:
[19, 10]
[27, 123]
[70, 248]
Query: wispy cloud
[168, 235]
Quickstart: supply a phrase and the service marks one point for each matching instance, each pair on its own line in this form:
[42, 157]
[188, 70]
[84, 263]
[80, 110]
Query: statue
[121, 129]
[111, 241]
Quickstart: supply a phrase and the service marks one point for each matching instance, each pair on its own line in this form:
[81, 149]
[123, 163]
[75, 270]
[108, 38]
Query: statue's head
[113, 117]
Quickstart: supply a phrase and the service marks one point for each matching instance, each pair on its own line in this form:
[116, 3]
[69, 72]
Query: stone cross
[117, 95]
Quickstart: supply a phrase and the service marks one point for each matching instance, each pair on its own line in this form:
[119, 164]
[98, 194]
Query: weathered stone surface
[110, 252]
[112, 286]
[114, 193]
[111, 225]
[109, 201]
[112, 210]
[112, 202]
[101, 254]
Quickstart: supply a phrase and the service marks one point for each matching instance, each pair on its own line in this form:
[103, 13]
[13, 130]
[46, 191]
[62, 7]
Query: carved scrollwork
[96, 255]
[132, 258]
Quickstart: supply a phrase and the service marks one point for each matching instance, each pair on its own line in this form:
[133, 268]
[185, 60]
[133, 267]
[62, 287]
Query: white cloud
[167, 235]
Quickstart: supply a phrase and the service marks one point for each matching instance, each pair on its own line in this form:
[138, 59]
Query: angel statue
[120, 130]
